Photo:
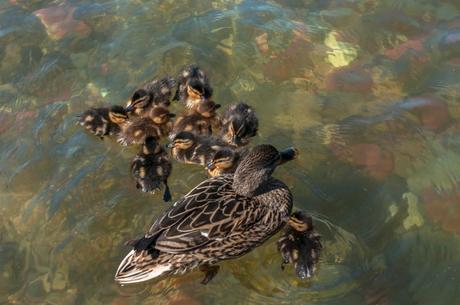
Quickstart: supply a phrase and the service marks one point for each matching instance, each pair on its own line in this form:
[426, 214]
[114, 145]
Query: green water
[367, 90]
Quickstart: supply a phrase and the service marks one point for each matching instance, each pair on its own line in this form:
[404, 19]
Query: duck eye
[274, 161]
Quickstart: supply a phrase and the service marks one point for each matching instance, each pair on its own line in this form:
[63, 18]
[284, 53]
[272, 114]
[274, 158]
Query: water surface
[368, 91]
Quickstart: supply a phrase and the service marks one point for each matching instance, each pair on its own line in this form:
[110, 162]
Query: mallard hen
[222, 218]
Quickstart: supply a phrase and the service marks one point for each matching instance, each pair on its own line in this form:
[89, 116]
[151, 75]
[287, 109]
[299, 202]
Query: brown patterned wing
[211, 211]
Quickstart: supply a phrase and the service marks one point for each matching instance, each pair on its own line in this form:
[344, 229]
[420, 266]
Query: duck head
[140, 100]
[208, 108]
[160, 115]
[258, 166]
[118, 115]
[151, 146]
[195, 89]
[300, 222]
[223, 159]
[183, 140]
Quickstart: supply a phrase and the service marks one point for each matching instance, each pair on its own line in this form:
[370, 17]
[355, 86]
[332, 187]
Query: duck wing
[211, 211]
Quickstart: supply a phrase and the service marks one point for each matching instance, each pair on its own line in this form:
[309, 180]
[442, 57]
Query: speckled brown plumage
[213, 222]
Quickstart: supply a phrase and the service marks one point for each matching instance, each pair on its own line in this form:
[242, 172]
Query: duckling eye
[141, 102]
[241, 131]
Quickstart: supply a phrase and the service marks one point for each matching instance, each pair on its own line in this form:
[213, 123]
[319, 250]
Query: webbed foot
[167, 194]
[209, 272]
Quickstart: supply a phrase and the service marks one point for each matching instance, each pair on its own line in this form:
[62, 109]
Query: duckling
[300, 245]
[193, 149]
[103, 121]
[203, 121]
[151, 167]
[222, 218]
[192, 86]
[224, 161]
[157, 125]
[239, 123]
[155, 93]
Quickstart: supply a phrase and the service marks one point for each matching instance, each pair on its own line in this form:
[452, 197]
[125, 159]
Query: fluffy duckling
[300, 245]
[157, 125]
[192, 86]
[104, 121]
[193, 149]
[239, 123]
[203, 121]
[151, 168]
[156, 93]
[224, 161]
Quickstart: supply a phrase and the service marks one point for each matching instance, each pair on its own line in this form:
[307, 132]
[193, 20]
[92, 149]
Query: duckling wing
[211, 211]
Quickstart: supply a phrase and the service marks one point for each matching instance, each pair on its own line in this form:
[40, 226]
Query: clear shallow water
[367, 90]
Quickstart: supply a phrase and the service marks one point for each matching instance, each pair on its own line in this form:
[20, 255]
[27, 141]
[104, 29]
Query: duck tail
[140, 266]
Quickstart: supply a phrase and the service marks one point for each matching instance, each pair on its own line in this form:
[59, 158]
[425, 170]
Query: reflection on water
[367, 90]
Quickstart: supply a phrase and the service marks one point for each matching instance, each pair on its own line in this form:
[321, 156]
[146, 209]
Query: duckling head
[223, 159]
[257, 167]
[151, 146]
[240, 124]
[160, 115]
[183, 140]
[140, 100]
[300, 222]
[237, 132]
[195, 89]
[118, 115]
[208, 108]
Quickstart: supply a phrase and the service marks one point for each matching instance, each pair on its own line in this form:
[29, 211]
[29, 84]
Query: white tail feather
[135, 275]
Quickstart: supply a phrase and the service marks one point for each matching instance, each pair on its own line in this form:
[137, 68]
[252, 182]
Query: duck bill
[210, 166]
[234, 140]
[129, 108]
[171, 115]
[288, 154]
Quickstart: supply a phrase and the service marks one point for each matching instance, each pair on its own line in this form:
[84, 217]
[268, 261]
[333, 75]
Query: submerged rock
[349, 79]
[59, 22]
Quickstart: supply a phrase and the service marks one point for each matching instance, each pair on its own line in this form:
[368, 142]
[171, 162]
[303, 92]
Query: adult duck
[222, 218]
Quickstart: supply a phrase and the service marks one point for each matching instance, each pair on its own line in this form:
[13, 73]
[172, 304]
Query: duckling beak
[210, 166]
[171, 115]
[288, 154]
[129, 108]
[234, 140]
